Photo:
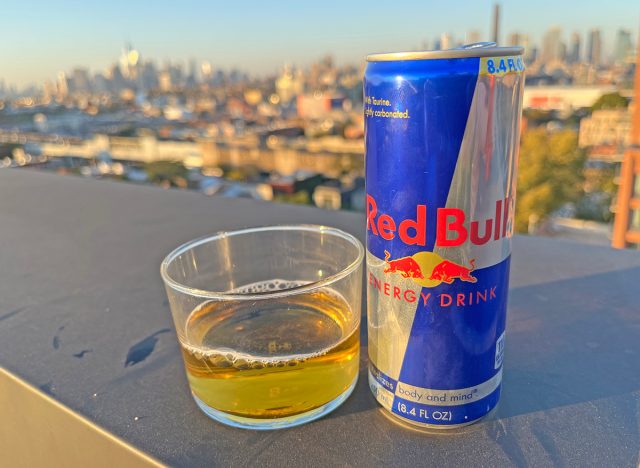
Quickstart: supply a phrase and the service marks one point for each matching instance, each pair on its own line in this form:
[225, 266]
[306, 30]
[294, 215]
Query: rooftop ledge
[79, 286]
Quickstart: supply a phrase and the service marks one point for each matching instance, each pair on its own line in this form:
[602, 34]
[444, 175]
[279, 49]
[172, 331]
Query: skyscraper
[177, 74]
[148, 78]
[528, 49]
[624, 46]
[193, 76]
[63, 84]
[48, 90]
[495, 36]
[574, 49]
[446, 41]
[206, 72]
[552, 47]
[164, 80]
[100, 83]
[289, 84]
[117, 82]
[81, 80]
[514, 39]
[522, 40]
[129, 62]
[594, 48]
[472, 36]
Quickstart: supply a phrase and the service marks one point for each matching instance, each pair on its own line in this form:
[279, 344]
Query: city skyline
[229, 38]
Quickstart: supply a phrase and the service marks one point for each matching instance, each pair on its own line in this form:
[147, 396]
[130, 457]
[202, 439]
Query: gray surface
[79, 271]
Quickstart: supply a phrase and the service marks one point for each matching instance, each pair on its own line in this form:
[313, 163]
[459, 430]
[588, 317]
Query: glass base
[279, 423]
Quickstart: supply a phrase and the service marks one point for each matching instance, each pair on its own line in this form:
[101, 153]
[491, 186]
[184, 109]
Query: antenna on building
[496, 24]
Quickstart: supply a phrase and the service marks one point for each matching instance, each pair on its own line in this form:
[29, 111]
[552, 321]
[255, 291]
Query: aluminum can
[441, 135]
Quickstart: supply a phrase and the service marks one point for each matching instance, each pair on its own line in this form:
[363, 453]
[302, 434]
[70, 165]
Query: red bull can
[442, 134]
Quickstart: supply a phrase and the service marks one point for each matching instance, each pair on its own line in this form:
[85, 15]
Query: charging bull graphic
[429, 269]
[406, 266]
[447, 271]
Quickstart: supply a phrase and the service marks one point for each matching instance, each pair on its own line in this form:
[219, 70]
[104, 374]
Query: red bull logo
[429, 269]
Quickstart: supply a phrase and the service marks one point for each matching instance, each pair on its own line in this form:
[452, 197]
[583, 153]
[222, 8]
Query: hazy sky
[38, 38]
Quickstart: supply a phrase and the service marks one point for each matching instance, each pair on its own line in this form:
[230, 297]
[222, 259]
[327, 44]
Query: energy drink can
[442, 134]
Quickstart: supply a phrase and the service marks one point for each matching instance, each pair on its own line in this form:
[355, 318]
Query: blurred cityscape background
[295, 135]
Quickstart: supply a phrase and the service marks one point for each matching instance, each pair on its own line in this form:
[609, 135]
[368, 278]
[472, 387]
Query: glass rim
[221, 295]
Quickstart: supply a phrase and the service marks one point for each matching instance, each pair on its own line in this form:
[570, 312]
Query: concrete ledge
[80, 286]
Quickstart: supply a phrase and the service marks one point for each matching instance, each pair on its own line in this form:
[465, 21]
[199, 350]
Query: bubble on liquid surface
[268, 286]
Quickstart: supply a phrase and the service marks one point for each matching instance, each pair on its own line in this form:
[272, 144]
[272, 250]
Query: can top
[477, 49]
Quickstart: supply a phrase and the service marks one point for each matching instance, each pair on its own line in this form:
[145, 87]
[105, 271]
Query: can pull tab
[476, 45]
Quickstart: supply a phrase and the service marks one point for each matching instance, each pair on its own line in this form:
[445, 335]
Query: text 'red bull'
[452, 227]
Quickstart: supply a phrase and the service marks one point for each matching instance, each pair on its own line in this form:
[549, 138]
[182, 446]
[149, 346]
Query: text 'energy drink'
[442, 134]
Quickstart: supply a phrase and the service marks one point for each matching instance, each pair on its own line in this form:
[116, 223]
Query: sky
[39, 38]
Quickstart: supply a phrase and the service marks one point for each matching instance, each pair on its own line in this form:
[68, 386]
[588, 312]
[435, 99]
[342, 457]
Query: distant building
[573, 55]
[624, 46]
[129, 61]
[100, 83]
[522, 40]
[514, 39]
[299, 181]
[148, 78]
[206, 72]
[139, 149]
[117, 81]
[313, 105]
[177, 74]
[193, 78]
[328, 197]
[335, 196]
[289, 84]
[563, 98]
[81, 80]
[63, 85]
[606, 127]
[246, 190]
[446, 41]
[594, 48]
[552, 46]
[48, 90]
[471, 37]
[164, 81]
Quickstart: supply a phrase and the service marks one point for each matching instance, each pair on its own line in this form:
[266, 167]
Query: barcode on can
[499, 351]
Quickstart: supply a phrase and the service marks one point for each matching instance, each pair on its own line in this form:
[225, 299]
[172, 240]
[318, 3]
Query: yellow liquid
[280, 358]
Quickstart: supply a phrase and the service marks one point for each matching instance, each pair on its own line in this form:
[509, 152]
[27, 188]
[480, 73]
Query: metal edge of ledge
[37, 430]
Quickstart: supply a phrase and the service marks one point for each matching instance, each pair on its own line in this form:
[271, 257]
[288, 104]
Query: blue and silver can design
[442, 135]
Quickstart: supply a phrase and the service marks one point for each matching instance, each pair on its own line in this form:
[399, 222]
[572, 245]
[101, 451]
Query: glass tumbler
[268, 321]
